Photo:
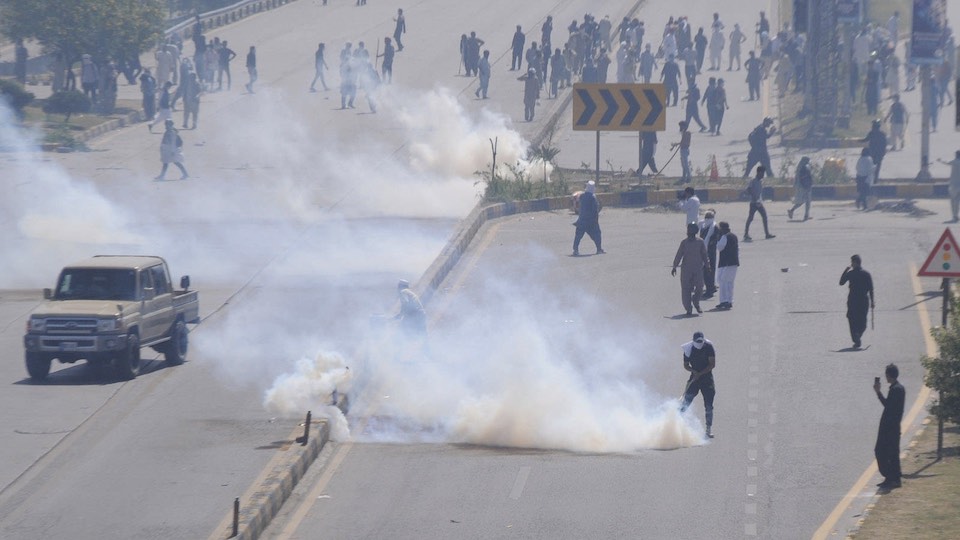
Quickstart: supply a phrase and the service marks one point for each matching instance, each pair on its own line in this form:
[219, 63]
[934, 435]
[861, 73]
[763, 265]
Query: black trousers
[702, 385]
[592, 230]
[887, 452]
[857, 317]
[755, 208]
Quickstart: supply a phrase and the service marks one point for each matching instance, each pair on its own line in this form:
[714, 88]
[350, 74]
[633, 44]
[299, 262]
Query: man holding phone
[887, 449]
[859, 299]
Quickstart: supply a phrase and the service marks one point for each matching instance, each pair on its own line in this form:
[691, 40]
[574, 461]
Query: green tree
[101, 28]
[943, 372]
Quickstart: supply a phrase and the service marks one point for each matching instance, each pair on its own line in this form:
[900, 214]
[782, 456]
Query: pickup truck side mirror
[149, 293]
[185, 282]
[47, 294]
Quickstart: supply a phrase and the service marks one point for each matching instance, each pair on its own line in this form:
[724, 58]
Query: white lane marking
[520, 482]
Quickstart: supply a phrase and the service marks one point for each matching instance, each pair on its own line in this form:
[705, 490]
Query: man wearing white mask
[710, 235]
[699, 358]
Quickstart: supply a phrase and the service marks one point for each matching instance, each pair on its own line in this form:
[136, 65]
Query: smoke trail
[47, 215]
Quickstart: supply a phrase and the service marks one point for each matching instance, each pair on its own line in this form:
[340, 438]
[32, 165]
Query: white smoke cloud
[513, 364]
[48, 217]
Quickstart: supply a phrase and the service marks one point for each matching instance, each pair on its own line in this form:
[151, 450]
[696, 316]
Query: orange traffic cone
[714, 174]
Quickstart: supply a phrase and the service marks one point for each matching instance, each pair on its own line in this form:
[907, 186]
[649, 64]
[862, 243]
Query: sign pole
[943, 321]
[598, 159]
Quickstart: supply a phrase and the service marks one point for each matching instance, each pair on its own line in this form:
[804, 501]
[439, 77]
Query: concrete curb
[225, 16]
[256, 513]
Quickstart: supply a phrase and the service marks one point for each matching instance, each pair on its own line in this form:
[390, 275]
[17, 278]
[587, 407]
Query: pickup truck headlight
[107, 325]
[36, 324]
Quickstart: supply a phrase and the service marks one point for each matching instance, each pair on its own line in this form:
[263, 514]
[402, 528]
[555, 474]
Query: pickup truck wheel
[176, 349]
[127, 364]
[37, 366]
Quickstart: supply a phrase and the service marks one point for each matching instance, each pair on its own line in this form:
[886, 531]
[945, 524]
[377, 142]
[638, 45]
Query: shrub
[16, 97]
[67, 102]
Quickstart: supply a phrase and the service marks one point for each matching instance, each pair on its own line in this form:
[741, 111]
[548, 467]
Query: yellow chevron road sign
[619, 107]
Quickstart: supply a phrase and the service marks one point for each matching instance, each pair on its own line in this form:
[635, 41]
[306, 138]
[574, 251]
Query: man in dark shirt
[699, 358]
[759, 153]
[670, 75]
[859, 299]
[887, 449]
[755, 190]
[588, 220]
[517, 45]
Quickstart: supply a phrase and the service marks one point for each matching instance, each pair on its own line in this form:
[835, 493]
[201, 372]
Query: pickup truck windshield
[96, 284]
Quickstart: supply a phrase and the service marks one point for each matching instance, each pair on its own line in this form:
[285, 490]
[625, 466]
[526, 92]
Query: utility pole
[925, 89]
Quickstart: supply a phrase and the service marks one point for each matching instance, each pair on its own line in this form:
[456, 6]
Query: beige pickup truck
[104, 309]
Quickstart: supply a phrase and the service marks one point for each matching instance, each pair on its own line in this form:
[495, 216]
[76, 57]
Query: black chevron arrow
[589, 107]
[612, 107]
[634, 107]
[655, 107]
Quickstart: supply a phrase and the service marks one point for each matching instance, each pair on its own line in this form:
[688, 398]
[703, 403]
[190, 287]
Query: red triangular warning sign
[944, 260]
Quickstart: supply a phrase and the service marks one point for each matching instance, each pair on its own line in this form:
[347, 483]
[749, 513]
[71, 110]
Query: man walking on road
[483, 68]
[859, 298]
[690, 205]
[684, 144]
[588, 220]
[865, 174]
[887, 449]
[693, 106]
[531, 93]
[647, 151]
[754, 74]
[803, 186]
[898, 121]
[755, 190]
[516, 61]
[400, 29]
[728, 260]
[692, 259]
[223, 65]
[699, 358]
[954, 186]
[387, 68]
[320, 65]
[710, 234]
[758, 146]
[252, 68]
[171, 151]
[877, 143]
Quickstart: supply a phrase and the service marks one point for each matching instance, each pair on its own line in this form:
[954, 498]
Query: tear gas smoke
[314, 381]
[504, 370]
[46, 213]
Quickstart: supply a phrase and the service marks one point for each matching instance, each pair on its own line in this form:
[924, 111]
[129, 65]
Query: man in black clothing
[759, 153]
[755, 190]
[519, 39]
[648, 149]
[887, 449]
[859, 299]
[588, 220]
[670, 75]
[877, 144]
[699, 358]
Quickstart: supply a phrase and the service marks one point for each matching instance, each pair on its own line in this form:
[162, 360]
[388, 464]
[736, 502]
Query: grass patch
[56, 131]
[927, 505]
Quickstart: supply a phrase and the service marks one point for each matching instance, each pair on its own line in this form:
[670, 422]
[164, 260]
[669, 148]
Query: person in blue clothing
[588, 221]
